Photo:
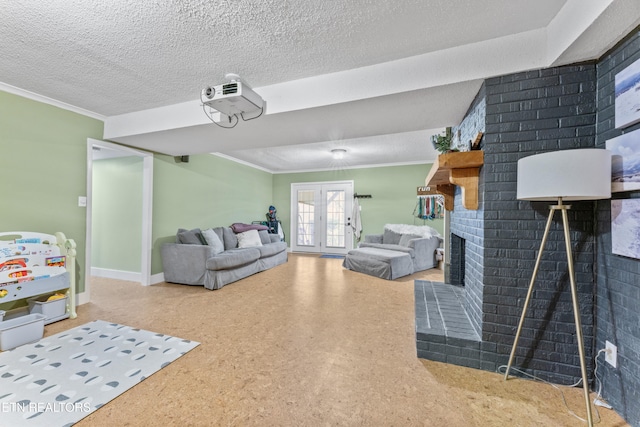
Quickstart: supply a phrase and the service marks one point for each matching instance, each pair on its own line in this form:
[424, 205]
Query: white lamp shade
[583, 174]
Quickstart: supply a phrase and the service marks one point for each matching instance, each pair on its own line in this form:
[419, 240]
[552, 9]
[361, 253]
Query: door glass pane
[336, 219]
[306, 216]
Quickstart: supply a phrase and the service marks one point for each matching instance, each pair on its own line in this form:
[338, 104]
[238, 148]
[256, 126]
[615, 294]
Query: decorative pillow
[229, 238]
[249, 239]
[404, 240]
[191, 237]
[213, 240]
[264, 236]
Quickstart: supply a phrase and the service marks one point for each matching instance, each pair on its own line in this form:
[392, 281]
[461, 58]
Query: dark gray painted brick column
[530, 113]
[525, 114]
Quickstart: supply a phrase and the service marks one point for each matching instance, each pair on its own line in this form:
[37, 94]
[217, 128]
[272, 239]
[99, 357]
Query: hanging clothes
[356, 223]
[429, 207]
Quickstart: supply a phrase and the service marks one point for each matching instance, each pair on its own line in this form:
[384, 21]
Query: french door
[321, 217]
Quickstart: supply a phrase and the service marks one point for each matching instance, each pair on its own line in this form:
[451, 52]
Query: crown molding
[46, 100]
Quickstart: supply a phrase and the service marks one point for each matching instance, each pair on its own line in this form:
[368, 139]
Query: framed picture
[625, 161]
[628, 96]
[627, 104]
[625, 227]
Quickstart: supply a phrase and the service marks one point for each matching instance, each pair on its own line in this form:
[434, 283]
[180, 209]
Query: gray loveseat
[212, 258]
[401, 250]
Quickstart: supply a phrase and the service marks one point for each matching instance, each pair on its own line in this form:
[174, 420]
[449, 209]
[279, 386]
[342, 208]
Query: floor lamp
[559, 176]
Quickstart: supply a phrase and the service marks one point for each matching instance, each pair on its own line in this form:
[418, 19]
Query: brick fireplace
[493, 249]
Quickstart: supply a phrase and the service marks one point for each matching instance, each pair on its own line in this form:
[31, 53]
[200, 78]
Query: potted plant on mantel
[442, 143]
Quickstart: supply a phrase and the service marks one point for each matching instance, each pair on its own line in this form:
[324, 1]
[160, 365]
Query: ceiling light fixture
[338, 153]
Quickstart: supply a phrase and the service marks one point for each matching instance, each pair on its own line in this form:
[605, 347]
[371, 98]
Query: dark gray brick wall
[469, 224]
[474, 121]
[529, 113]
[618, 278]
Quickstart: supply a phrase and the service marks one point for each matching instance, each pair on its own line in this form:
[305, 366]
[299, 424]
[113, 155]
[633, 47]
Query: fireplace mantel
[458, 168]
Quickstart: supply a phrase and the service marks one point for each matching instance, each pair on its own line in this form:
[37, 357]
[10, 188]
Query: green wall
[43, 163]
[208, 191]
[116, 228]
[393, 191]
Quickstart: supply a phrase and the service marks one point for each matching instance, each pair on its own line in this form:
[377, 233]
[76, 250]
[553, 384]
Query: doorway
[100, 150]
[321, 217]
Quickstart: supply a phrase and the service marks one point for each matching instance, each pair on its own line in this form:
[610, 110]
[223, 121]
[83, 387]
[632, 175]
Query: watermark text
[45, 407]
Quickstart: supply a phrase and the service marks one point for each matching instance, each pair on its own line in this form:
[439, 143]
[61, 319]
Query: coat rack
[361, 196]
[430, 204]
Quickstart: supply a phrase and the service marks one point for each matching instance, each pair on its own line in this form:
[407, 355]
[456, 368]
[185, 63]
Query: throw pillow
[404, 240]
[229, 238]
[249, 239]
[191, 237]
[213, 240]
[264, 236]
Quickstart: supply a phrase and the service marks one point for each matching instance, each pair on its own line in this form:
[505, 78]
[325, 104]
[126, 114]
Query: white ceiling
[371, 76]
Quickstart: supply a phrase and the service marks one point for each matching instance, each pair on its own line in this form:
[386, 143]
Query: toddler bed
[34, 264]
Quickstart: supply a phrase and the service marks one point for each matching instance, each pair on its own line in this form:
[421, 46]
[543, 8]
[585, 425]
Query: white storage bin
[51, 309]
[21, 330]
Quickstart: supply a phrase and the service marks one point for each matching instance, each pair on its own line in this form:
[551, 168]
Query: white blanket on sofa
[418, 230]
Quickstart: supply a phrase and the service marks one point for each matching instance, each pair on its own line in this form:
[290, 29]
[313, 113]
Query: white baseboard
[157, 278]
[82, 298]
[131, 276]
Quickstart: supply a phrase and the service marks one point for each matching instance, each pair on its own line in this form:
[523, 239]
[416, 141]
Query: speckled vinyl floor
[307, 344]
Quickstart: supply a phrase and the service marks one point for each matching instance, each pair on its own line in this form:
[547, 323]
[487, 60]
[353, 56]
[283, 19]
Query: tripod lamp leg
[576, 314]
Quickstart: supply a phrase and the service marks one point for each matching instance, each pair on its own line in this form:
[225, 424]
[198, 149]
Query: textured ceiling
[113, 57]
[121, 57]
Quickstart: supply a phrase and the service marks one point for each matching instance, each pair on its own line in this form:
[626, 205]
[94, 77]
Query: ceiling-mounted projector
[232, 98]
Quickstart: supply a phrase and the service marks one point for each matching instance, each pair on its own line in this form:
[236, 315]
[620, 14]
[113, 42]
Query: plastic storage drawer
[51, 309]
[21, 330]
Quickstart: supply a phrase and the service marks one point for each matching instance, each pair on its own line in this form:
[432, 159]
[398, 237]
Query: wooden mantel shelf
[458, 168]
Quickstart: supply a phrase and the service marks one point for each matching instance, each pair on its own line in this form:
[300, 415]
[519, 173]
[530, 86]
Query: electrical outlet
[611, 354]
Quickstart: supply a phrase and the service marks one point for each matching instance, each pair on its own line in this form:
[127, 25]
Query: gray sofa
[212, 258]
[401, 250]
